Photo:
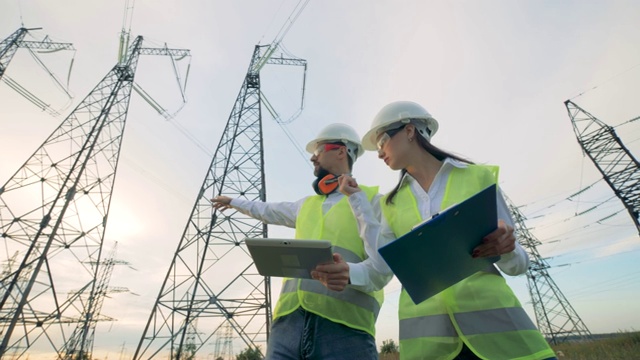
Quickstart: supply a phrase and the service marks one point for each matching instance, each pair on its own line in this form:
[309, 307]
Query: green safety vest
[350, 307]
[480, 311]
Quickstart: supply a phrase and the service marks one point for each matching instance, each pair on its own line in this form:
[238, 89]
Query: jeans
[302, 335]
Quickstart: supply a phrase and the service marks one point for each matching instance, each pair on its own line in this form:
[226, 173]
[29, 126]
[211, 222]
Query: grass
[395, 356]
[623, 345]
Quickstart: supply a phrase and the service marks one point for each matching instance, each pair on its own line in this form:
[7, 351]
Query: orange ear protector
[326, 185]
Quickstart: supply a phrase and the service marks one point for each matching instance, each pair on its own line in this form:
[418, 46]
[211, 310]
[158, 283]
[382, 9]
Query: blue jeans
[302, 335]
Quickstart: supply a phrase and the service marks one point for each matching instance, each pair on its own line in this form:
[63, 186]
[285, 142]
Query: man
[311, 321]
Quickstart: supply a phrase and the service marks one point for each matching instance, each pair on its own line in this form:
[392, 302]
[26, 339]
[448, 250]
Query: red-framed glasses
[326, 147]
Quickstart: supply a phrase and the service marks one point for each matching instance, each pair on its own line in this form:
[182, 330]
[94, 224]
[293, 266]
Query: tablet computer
[437, 253]
[294, 258]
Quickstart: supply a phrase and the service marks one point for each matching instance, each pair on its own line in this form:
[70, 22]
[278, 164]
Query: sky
[495, 74]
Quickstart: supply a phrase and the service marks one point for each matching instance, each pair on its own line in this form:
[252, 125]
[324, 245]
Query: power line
[606, 81]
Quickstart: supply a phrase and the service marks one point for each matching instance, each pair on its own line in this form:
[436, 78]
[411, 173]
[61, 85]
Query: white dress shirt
[286, 213]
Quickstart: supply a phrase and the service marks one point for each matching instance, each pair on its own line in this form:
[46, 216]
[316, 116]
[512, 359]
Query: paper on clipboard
[437, 253]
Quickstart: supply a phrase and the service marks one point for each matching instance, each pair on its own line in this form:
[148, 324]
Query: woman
[477, 318]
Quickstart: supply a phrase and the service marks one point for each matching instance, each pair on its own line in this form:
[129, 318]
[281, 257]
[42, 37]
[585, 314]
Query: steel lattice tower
[211, 275]
[53, 213]
[614, 161]
[224, 343]
[80, 343]
[556, 318]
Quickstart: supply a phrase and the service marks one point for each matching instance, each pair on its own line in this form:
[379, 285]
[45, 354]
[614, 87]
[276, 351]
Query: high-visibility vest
[480, 311]
[350, 307]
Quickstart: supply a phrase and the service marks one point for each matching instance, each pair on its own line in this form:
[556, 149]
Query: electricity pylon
[8, 48]
[224, 343]
[557, 320]
[80, 343]
[53, 212]
[619, 168]
[211, 274]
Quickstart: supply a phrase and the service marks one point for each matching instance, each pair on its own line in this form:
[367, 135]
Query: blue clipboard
[437, 253]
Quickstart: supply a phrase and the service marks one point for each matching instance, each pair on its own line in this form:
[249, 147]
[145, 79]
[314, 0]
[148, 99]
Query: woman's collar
[448, 162]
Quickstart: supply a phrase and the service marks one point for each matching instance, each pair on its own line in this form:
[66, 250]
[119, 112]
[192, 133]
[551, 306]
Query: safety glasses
[326, 147]
[387, 135]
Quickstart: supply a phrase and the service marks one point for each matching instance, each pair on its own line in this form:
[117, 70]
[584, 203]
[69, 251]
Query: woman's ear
[411, 131]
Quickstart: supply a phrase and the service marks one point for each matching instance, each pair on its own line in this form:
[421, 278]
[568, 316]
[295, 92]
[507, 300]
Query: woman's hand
[499, 242]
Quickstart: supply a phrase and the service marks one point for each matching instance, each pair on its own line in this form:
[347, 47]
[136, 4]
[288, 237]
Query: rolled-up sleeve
[517, 261]
[372, 273]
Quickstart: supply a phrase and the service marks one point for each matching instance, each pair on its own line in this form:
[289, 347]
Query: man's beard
[321, 172]
[318, 184]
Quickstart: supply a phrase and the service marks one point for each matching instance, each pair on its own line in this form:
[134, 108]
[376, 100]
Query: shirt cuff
[506, 258]
[239, 203]
[356, 274]
[513, 263]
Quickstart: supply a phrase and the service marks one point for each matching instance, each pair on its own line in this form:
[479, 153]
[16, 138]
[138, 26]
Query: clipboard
[437, 253]
[292, 258]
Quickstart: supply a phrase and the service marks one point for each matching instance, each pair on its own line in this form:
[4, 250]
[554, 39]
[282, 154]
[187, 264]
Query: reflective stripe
[349, 295]
[505, 333]
[494, 321]
[427, 326]
[347, 255]
[290, 285]
[470, 323]
[351, 308]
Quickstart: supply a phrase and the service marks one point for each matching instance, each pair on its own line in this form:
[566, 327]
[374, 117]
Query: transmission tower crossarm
[46, 45]
[286, 61]
[16, 40]
[8, 48]
[165, 51]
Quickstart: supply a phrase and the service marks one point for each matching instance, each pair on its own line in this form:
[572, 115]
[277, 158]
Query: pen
[331, 181]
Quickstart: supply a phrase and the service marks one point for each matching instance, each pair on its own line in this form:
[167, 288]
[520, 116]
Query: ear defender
[326, 185]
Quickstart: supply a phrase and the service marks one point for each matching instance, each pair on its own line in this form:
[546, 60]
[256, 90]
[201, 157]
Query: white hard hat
[338, 133]
[396, 114]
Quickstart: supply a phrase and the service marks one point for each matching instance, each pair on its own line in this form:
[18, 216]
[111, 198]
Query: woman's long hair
[431, 149]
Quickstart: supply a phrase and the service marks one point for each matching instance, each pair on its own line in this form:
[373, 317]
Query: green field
[624, 345]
